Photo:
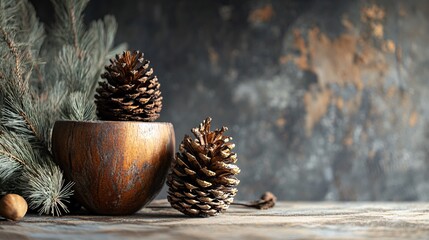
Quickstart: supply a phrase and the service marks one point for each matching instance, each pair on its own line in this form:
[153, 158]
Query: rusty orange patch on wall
[302, 60]
[414, 117]
[316, 105]
[213, 56]
[389, 46]
[377, 30]
[263, 14]
[351, 60]
[281, 122]
[373, 12]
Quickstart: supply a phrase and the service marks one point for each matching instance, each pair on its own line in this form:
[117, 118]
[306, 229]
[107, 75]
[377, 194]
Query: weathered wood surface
[288, 220]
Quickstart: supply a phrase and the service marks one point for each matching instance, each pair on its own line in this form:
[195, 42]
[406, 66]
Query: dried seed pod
[268, 200]
[13, 207]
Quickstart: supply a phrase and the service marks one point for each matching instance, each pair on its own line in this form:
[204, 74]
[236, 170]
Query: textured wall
[326, 100]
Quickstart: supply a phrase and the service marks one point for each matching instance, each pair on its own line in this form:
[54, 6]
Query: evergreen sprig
[45, 77]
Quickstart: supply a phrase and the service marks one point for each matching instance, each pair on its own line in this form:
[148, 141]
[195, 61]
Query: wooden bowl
[117, 167]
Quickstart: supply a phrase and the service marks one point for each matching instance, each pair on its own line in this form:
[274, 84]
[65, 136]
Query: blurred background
[325, 100]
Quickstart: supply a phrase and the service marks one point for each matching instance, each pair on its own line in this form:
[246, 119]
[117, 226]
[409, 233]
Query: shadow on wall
[325, 100]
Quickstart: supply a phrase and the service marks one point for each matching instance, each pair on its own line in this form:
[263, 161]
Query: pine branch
[26, 123]
[22, 34]
[35, 38]
[40, 181]
[48, 196]
[15, 115]
[76, 109]
[10, 164]
[14, 51]
[14, 15]
[74, 31]
[69, 27]
[31, 127]
[13, 157]
[75, 57]
[81, 57]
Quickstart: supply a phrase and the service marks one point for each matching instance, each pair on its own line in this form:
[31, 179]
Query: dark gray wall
[326, 100]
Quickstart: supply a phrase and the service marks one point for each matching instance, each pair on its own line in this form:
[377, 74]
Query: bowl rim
[91, 122]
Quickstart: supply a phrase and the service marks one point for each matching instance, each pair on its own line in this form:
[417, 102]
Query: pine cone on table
[130, 91]
[203, 181]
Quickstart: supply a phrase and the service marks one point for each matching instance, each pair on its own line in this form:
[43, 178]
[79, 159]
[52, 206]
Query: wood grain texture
[117, 167]
[287, 220]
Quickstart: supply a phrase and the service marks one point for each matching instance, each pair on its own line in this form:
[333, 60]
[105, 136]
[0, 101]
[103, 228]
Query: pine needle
[48, 196]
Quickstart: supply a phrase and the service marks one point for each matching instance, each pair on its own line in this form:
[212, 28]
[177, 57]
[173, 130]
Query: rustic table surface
[287, 220]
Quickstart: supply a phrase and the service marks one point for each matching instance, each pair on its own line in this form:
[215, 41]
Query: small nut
[13, 207]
